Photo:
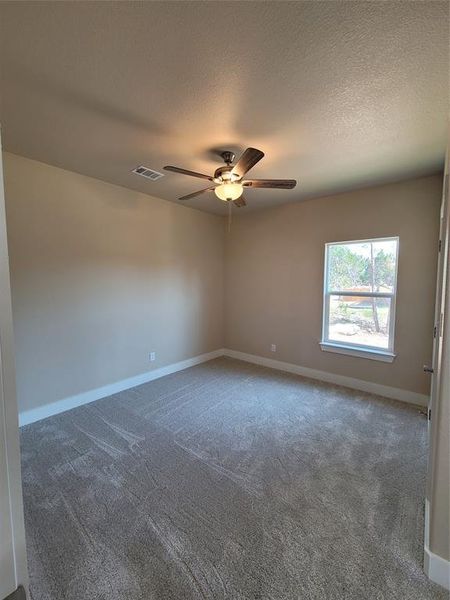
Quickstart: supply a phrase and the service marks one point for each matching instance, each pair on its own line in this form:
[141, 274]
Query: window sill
[382, 355]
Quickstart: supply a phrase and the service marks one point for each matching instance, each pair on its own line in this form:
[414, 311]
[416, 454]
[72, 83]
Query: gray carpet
[231, 481]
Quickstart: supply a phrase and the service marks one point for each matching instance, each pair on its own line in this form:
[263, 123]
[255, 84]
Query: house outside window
[360, 285]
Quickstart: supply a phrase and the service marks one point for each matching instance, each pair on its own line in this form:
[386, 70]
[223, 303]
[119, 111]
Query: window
[359, 298]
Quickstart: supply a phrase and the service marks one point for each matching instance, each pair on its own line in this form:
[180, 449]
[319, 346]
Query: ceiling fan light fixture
[230, 178]
[229, 191]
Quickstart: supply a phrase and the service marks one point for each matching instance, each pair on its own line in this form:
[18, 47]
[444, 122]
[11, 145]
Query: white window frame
[359, 350]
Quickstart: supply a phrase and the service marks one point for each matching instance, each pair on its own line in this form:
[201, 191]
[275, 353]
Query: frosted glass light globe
[229, 191]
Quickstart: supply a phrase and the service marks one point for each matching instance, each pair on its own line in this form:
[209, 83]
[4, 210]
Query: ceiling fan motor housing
[224, 174]
[228, 157]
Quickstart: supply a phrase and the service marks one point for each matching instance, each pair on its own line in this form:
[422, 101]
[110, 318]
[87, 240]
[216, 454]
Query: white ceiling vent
[147, 173]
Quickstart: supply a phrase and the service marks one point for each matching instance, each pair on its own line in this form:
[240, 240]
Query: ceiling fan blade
[188, 196]
[186, 172]
[240, 202]
[282, 184]
[248, 160]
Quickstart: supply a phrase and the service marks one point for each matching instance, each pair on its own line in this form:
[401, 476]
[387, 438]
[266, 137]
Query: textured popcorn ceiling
[337, 94]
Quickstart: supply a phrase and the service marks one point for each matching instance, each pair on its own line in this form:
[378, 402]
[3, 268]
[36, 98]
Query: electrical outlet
[152, 356]
[273, 347]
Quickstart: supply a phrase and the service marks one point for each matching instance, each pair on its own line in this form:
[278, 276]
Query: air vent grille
[147, 173]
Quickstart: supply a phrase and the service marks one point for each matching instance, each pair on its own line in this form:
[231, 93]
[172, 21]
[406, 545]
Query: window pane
[359, 320]
[362, 266]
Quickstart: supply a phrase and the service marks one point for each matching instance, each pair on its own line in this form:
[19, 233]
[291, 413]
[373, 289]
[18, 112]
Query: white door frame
[13, 564]
[433, 404]
[436, 567]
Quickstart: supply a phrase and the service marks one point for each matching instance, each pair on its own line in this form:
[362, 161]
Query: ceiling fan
[229, 180]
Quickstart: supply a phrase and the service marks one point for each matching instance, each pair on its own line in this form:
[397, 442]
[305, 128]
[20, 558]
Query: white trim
[328, 293]
[364, 241]
[350, 382]
[359, 352]
[352, 294]
[436, 568]
[426, 533]
[36, 414]
[54, 408]
[13, 558]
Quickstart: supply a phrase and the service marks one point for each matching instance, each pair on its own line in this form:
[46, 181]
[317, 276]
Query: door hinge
[435, 331]
[429, 414]
[440, 245]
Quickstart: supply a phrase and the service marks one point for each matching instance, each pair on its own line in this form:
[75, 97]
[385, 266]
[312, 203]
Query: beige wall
[274, 277]
[101, 276]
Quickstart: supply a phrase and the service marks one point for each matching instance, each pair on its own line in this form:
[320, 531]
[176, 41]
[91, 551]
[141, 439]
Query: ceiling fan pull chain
[229, 216]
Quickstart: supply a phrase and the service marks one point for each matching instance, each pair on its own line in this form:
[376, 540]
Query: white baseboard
[357, 384]
[36, 414]
[436, 568]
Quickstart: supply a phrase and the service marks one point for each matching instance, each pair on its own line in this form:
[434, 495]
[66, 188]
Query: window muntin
[359, 294]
